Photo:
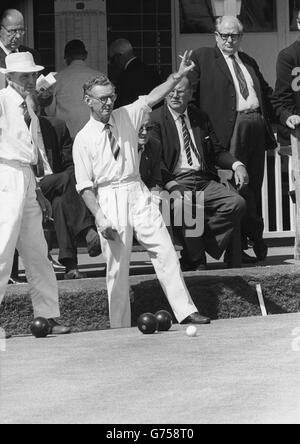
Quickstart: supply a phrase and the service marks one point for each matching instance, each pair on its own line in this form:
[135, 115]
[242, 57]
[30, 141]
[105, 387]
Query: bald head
[229, 33]
[120, 52]
[12, 29]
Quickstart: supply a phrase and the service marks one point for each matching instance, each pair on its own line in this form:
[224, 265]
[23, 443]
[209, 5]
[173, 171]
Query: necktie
[115, 149]
[27, 117]
[31, 118]
[241, 78]
[188, 143]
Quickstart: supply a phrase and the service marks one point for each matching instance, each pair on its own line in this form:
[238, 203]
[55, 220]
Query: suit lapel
[172, 129]
[196, 131]
[221, 63]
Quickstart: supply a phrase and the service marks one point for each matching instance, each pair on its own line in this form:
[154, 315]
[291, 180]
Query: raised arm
[161, 91]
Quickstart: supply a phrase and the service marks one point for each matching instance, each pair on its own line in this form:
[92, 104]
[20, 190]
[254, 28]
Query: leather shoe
[246, 259]
[196, 266]
[74, 274]
[261, 250]
[56, 329]
[14, 281]
[196, 318]
[93, 243]
[56, 266]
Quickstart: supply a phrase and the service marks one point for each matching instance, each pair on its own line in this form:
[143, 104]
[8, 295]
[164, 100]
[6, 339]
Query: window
[196, 16]
[294, 8]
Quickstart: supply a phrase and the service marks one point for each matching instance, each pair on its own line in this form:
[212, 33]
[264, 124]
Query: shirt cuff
[170, 185]
[83, 186]
[236, 164]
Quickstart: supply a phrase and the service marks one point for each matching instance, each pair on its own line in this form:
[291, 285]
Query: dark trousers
[223, 209]
[248, 146]
[70, 214]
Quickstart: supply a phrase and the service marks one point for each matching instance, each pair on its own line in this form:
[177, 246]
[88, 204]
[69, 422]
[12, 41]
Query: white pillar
[226, 7]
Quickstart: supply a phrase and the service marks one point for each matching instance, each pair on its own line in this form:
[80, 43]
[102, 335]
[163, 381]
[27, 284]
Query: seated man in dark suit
[71, 217]
[190, 151]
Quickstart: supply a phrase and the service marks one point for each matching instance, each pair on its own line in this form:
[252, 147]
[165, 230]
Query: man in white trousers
[20, 213]
[106, 161]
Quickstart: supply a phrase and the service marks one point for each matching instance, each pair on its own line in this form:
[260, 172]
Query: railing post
[295, 141]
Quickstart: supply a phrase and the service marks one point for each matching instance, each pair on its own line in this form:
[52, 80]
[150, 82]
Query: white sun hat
[20, 62]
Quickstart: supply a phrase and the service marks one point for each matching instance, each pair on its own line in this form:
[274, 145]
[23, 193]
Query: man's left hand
[241, 177]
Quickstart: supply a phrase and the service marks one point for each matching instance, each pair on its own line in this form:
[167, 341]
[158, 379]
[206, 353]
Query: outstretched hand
[186, 64]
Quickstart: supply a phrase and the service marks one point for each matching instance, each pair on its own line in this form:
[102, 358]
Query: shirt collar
[228, 56]
[129, 61]
[15, 96]
[100, 125]
[7, 51]
[177, 115]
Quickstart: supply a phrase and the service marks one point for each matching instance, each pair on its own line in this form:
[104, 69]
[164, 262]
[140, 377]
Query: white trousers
[21, 228]
[129, 208]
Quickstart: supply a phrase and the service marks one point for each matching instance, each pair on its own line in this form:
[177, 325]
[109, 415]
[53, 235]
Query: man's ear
[87, 100]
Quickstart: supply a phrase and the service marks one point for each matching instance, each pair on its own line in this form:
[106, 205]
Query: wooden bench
[235, 248]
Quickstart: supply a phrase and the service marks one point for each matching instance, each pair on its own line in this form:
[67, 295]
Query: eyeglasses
[177, 92]
[146, 127]
[14, 32]
[225, 37]
[104, 100]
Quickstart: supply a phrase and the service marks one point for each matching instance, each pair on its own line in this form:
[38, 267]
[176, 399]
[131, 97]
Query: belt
[250, 111]
[15, 163]
[119, 183]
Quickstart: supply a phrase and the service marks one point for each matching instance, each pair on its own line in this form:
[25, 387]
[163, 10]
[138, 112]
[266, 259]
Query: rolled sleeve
[83, 166]
[138, 110]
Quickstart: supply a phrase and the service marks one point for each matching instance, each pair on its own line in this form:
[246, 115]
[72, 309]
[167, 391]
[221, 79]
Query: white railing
[276, 226]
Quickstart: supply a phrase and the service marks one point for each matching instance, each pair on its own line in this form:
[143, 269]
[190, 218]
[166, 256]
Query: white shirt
[7, 51]
[94, 162]
[40, 141]
[252, 101]
[68, 103]
[183, 164]
[15, 138]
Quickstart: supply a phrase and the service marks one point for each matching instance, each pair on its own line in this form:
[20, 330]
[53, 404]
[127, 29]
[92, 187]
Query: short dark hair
[101, 80]
[75, 48]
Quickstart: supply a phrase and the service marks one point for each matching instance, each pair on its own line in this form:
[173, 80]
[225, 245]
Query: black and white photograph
[150, 215]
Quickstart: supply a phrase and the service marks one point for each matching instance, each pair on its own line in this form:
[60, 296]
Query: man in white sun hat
[22, 161]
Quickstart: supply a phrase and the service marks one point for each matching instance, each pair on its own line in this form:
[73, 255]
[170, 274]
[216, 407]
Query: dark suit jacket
[138, 79]
[36, 55]
[58, 143]
[212, 153]
[150, 164]
[285, 100]
[217, 93]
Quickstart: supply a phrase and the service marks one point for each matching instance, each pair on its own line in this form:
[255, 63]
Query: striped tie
[241, 78]
[27, 117]
[30, 116]
[188, 143]
[115, 149]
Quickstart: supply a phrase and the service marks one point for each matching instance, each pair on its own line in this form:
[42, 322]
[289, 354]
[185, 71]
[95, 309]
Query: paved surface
[235, 371]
